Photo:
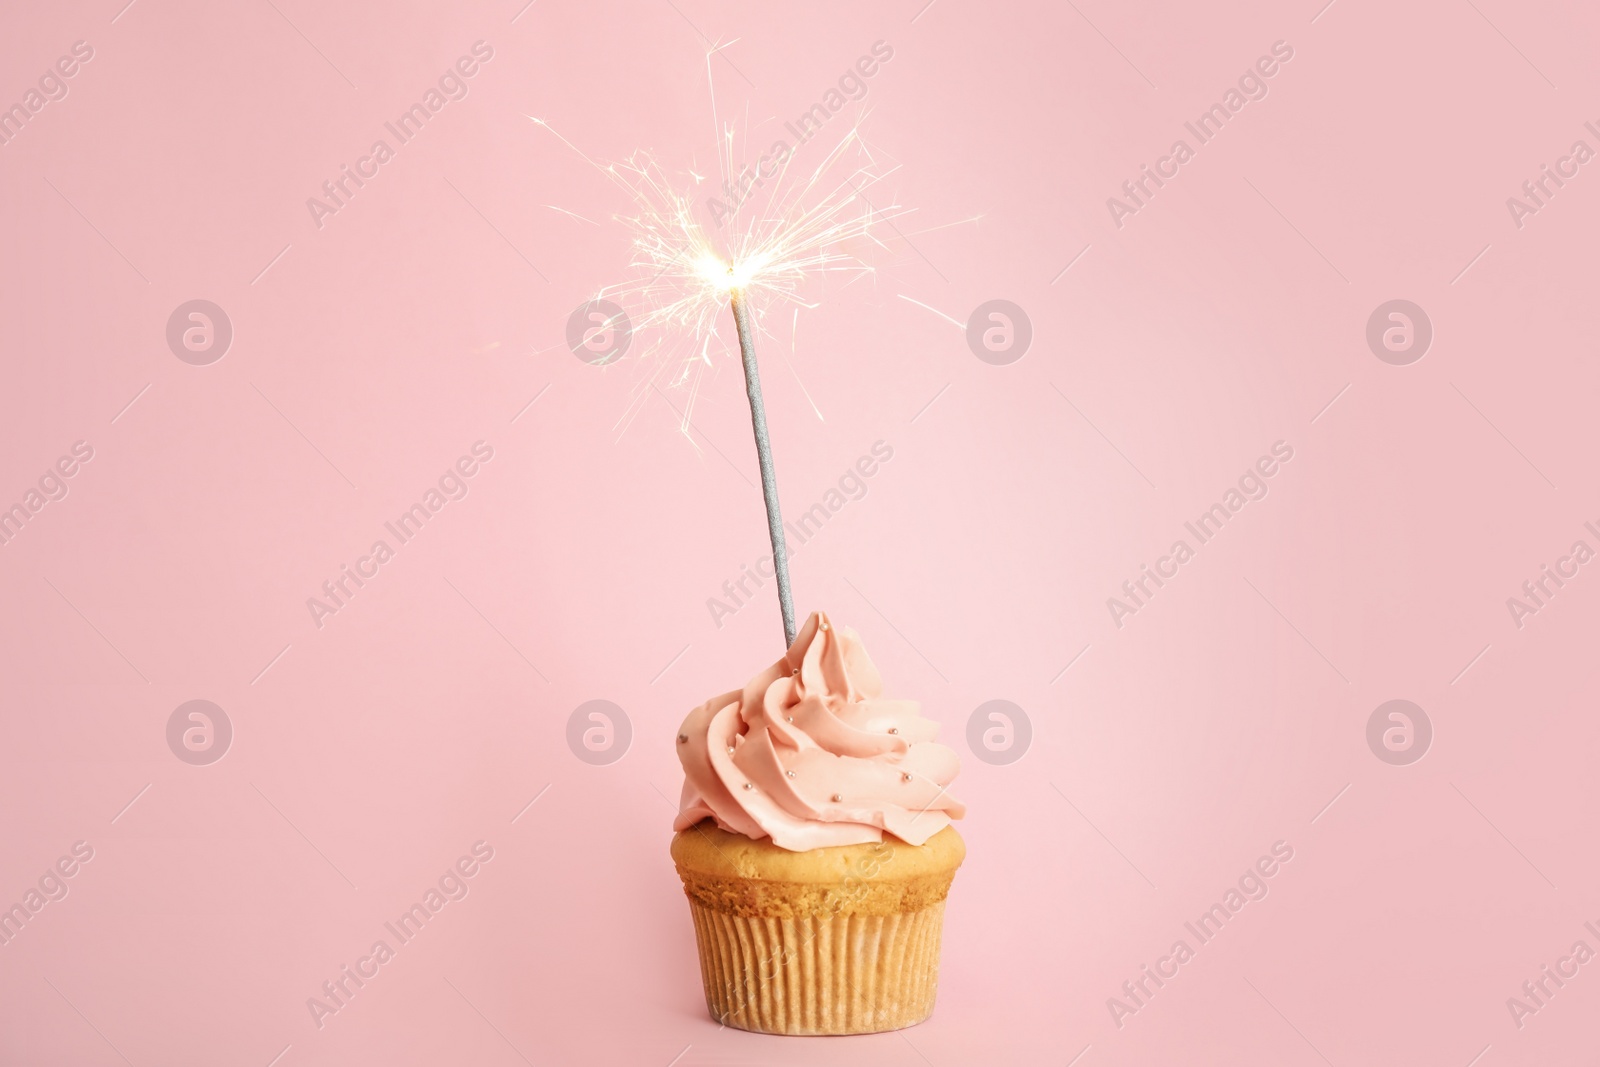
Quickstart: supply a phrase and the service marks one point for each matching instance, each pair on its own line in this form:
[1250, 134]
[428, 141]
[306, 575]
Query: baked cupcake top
[811, 755]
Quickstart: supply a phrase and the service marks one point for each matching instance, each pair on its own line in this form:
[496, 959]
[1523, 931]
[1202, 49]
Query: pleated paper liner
[843, 974]
[841, 940]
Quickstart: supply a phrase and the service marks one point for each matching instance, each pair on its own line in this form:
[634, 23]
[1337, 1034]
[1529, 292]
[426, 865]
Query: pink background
[369, 353]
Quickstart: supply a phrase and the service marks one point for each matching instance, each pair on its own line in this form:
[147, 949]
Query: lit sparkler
[773, 234]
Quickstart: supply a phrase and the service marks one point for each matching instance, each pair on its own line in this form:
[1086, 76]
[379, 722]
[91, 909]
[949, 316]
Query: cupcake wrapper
[815, 974]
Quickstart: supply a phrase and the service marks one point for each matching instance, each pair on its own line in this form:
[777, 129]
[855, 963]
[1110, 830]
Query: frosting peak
[811, 755]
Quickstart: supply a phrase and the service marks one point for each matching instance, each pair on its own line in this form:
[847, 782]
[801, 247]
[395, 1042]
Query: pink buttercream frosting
[810, 754]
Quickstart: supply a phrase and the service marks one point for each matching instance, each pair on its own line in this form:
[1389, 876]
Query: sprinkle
[683, 739]
[837, 798]
[791, 774]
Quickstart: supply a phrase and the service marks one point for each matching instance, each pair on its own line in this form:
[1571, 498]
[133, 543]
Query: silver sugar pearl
[905, 777]
[788, 718]
[791, 774]
[683, 739]
[747, 785]
[894, 729]
[822, 626]
[730, 750]
[837, 798]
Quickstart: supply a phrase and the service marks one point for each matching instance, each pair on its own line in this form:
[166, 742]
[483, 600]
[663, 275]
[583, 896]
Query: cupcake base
[840, 940]
[846, 974]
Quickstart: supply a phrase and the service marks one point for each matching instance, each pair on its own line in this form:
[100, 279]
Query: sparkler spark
[774, 230]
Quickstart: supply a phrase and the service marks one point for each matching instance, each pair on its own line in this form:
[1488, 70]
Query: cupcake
[815, 846]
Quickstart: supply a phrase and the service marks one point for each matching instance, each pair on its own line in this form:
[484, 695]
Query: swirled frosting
[809, 754]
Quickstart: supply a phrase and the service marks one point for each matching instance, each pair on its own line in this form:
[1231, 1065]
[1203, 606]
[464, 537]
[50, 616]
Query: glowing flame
[781, 233]
[776, 228]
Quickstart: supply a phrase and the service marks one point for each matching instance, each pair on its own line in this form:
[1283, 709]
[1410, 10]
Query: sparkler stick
[769, 477]
[805, 226]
